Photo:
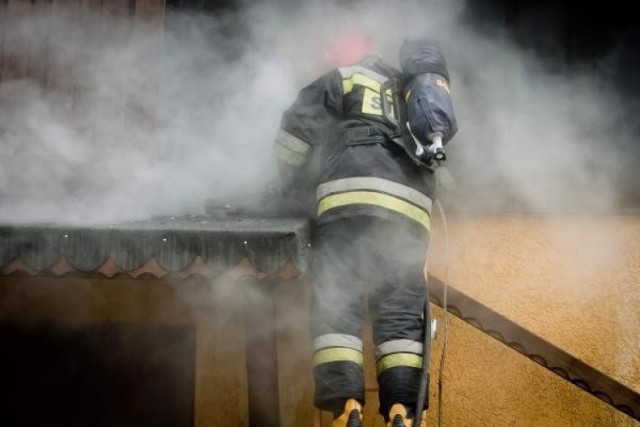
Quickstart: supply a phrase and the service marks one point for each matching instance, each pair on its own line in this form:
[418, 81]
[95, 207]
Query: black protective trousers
[359, 264]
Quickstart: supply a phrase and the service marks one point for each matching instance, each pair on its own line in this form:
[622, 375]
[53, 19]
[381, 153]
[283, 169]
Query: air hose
[426, 356]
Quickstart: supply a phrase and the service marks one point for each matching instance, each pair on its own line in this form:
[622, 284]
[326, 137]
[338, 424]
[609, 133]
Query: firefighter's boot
[399, 416]
[351, 416]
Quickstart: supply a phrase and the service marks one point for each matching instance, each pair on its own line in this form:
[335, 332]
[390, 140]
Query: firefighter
[344, 143]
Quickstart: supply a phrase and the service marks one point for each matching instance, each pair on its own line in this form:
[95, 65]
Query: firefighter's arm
[303, 128]
[292, 153]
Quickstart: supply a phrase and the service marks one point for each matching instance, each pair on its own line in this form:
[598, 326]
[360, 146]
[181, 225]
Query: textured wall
[573, 280]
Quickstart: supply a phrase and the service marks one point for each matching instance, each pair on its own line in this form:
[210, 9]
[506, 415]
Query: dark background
[106, 374]
[601, 39]
[575, 33]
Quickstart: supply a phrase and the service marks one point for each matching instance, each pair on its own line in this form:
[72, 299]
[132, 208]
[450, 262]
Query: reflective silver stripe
[337, 340]
[285, 139]
[347, 72]
[290, 157]
[375, 184]
[398, 346]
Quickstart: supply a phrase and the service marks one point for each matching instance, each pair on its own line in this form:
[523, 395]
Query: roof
[159, 247]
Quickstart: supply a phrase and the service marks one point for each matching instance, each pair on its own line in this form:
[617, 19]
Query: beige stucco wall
[575, 281]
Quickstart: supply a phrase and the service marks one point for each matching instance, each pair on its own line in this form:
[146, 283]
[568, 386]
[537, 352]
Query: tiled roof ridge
[109, 269]
[155, 247]
[544, 353]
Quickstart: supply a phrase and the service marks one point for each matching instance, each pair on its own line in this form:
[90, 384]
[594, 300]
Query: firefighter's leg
[337, 311]
[398, 330]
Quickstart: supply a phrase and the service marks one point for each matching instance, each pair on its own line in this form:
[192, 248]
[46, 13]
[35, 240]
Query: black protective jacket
[342, 139]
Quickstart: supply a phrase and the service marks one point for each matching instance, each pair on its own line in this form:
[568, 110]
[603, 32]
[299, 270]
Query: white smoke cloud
[87, 148]
[537, 134]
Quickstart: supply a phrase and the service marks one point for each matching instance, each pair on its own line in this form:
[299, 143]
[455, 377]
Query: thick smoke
[534, 139]
[130, 122]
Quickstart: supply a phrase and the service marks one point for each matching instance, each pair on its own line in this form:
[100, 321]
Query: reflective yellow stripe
[398, 359]
[347, 72]
[443, 84]
[371, 103]
[347, 86]
[338, 354]
[368, 183]
[290, 157]
[377, 199]
[362, 80]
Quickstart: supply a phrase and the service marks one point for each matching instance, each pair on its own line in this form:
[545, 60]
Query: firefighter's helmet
[348, 47]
